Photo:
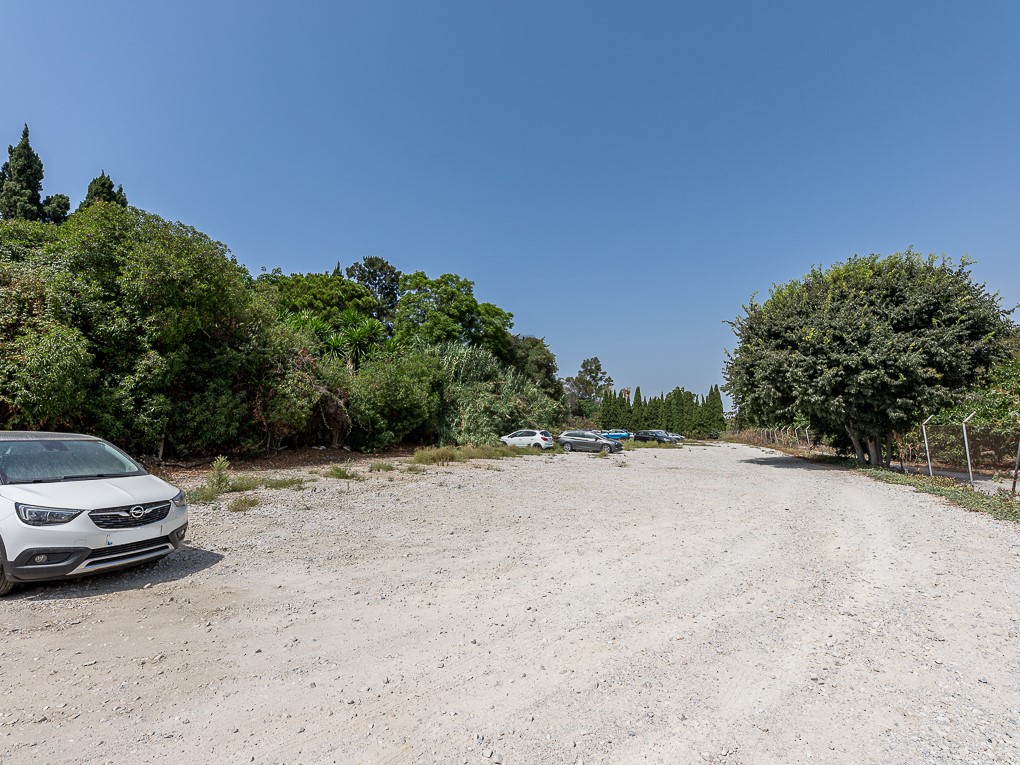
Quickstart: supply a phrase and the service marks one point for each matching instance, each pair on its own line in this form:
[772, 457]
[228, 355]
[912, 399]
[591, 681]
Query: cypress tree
[626, 417]
[715, 416]
[21, 182]
[101, 190]
[638, 409]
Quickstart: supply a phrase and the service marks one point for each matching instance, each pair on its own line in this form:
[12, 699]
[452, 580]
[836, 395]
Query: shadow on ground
[784, 461]
[183, 563]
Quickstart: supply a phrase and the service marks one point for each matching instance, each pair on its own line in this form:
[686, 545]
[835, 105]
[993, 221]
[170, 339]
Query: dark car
[586, 441]
[655, 435]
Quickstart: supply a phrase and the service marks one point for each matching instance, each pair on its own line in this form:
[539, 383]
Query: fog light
[40, 558]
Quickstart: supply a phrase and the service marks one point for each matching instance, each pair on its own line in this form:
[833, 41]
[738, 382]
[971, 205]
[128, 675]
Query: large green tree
[325, 295]
[445, 309]
[532, 357]
[380, 278]
[865, 348]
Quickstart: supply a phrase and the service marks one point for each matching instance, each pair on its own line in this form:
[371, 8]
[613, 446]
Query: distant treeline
[679, 411]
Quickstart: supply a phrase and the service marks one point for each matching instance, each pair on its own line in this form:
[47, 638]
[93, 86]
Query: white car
[539, 439]
[72, 505]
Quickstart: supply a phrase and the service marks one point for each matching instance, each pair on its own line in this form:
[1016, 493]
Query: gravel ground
[723, 604]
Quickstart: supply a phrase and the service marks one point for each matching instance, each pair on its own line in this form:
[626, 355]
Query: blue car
[617, 434]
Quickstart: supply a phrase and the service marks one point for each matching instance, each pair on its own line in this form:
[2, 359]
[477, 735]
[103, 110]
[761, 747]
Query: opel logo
[137, 512]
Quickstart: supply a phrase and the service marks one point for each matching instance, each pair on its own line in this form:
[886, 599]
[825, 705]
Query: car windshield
[50, 460]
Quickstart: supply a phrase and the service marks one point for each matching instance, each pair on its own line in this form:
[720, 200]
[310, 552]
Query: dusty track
[717, 604]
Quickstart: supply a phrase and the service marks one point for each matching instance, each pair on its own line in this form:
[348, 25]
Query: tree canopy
[381, 279]
[865, 348]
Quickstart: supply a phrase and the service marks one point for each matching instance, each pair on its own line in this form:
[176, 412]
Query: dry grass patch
[445, 455]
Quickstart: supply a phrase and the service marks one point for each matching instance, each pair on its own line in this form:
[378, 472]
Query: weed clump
[344, 473]
[240, 504]
[445, 455]
[381, 467]
[220, 481]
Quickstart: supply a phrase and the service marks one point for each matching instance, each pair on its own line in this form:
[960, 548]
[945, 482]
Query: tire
[604, 448]
[567, 447]
[538, 446]
[5, 585]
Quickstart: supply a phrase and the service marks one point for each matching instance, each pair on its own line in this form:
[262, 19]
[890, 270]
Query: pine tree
[638, 409]
[21, 182]
[101, 190]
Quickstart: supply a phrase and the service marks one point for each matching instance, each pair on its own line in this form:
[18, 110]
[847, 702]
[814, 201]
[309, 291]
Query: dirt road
[721, 604]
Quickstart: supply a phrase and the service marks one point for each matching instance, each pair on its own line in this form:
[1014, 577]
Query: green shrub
[394, 395]
[343, 473]
[218, 480]
[381, 467]
[240, 504]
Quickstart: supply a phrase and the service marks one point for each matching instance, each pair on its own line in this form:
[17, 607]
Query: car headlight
[179, 499]
[45, 516]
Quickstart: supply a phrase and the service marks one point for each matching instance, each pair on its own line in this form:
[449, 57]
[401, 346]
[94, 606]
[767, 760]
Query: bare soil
[724, 604]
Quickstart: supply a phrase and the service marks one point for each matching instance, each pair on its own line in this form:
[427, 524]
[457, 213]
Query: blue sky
[620, 176]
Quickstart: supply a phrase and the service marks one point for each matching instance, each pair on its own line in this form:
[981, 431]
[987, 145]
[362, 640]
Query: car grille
[114, 550]
[123, 518]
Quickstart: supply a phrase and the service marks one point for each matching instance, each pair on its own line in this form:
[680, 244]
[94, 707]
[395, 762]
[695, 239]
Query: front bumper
[66, 551]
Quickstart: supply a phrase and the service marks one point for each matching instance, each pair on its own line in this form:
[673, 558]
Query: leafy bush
[394, 395]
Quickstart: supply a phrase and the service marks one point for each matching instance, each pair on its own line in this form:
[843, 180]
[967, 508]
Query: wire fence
[984, 454]
[983, 451]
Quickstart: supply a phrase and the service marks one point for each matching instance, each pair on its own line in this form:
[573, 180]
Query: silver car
[587, 441]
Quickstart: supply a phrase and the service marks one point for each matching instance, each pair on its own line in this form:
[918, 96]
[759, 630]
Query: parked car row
[586, 440]
[662, 436]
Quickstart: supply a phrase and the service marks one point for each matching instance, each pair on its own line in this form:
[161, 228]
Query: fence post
[927, 451]
[1016, 466]
[966, 446]
[807, 434]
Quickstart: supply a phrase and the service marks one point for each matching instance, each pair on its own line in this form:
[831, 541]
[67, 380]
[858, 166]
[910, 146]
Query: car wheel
[538, 446]
[567, 447]
[604, 448]
[5, 585]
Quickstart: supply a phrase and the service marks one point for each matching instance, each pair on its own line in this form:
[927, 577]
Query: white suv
[72, 505]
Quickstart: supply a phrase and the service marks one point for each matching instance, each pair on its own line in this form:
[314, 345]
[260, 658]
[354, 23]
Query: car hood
[91, 494]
